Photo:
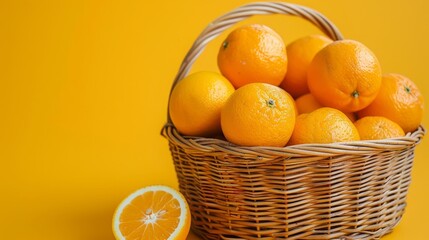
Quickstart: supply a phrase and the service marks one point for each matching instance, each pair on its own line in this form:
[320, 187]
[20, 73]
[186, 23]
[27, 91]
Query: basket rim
[207, 144]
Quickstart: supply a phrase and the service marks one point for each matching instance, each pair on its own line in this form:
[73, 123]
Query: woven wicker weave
[354, 190]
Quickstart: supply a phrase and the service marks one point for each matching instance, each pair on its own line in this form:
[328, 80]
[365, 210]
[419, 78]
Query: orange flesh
[155, 222]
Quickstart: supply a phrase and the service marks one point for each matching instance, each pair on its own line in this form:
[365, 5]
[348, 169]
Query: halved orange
[154, 212]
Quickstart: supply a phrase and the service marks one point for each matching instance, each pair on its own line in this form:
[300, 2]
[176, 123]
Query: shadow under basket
[352, 190]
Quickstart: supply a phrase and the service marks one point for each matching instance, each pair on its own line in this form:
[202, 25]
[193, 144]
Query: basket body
[351, 190]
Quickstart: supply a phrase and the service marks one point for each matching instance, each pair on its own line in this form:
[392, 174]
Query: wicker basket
[354, 190]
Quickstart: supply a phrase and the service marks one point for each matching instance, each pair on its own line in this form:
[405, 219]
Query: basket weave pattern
[354, 190]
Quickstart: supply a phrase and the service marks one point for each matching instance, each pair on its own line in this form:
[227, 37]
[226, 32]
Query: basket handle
[257, 8]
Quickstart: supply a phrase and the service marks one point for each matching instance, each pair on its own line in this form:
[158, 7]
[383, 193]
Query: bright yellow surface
[84, 89]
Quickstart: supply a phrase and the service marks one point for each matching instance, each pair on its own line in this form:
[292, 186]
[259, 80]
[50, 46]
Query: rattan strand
[354, 190]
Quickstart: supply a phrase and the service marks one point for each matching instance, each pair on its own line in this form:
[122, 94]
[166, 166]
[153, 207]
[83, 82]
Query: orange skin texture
[196, 102]
[253, 53]
[258, 114]
[376, 128]
[300, 53]
[399, 100]
[345, 75]
[324, 125]
[308, 103]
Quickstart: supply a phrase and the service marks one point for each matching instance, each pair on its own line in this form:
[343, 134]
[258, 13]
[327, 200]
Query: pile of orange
[313, 90]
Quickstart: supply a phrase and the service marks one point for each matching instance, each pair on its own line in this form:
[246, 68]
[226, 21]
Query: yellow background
[83, 96]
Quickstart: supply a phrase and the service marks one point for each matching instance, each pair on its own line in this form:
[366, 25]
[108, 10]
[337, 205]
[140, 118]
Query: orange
[258, 114]
[308, 103]
[374, 128]
[253, 53]
[351, 115]
[300, 53]
[196, 102]
[153, 212]
[323, 125]
[345, 75]
[398, 100]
